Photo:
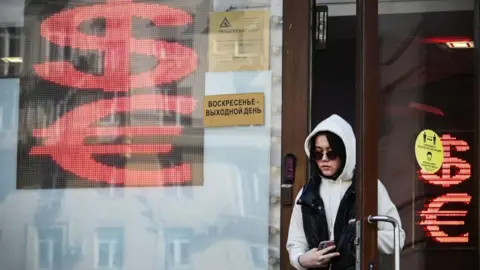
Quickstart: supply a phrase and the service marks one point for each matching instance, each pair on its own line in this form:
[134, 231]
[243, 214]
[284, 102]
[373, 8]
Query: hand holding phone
[315, 258]
[325, 244]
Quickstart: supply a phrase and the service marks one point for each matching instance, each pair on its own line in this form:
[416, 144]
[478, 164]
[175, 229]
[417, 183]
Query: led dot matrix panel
[111, 94]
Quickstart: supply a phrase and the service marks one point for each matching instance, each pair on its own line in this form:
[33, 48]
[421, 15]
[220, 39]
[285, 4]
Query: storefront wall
[107, 164]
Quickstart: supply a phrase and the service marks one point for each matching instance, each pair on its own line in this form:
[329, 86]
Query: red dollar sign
[174, 60]
[65, 140]
[446, 178]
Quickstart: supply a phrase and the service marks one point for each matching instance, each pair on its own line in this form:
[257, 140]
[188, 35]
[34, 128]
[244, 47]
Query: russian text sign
[234, 110]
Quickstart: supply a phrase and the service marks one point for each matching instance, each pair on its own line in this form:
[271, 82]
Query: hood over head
[342, 129]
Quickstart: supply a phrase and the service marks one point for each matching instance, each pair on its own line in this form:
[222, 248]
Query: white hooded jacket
[332, 191]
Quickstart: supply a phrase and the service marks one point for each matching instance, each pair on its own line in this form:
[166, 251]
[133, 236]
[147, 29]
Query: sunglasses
[330, 155]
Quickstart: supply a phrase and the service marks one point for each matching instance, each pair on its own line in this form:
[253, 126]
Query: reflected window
[109, 248]
[250, 196]
[50, 248]
[10, 51]
[178, 249]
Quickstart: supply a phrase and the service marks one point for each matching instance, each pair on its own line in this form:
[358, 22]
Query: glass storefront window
[106, 160]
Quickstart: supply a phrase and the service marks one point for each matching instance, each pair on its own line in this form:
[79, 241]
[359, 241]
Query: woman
[326, 203]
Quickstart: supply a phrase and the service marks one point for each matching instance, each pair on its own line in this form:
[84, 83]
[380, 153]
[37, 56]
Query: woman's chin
[327, 173]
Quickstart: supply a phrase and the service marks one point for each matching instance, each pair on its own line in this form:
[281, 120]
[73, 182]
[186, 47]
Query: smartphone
[325, 244]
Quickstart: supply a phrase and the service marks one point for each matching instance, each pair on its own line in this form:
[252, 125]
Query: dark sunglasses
[319, 155]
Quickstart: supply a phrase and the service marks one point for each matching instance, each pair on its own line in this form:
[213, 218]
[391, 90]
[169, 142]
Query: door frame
[295, 103]
[367, 119]
[476, 155]
[296, 91]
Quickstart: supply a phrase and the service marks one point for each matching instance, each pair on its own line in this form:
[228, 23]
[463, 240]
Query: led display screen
[448, 213]
[111, 95]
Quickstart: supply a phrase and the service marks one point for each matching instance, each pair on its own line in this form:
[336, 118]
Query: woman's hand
[315, 258]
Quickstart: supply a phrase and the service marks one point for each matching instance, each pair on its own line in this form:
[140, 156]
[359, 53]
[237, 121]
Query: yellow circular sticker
[429, 151]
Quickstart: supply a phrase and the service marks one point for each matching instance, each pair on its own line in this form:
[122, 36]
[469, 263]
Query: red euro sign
[450, 177]
[174, 60]
[431, 220]
[65, 140]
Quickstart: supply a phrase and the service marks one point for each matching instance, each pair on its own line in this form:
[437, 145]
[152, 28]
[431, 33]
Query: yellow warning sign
[239, 41]
[234, 110]
[429, 151]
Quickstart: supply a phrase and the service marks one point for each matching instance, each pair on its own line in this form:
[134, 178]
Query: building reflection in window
[178, 248]
[50, 248]
[109, 246]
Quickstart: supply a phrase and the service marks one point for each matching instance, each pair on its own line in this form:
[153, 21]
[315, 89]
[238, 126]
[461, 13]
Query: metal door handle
[396, 234]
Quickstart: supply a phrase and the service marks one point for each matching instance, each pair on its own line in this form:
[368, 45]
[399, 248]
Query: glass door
[418, 132]
[404, 75]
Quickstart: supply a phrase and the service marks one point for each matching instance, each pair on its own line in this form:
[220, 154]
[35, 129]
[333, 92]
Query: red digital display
[119, 91]
[174, 60]
[65, 141]
[454, 170]
[444, 217]
[430, 218]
